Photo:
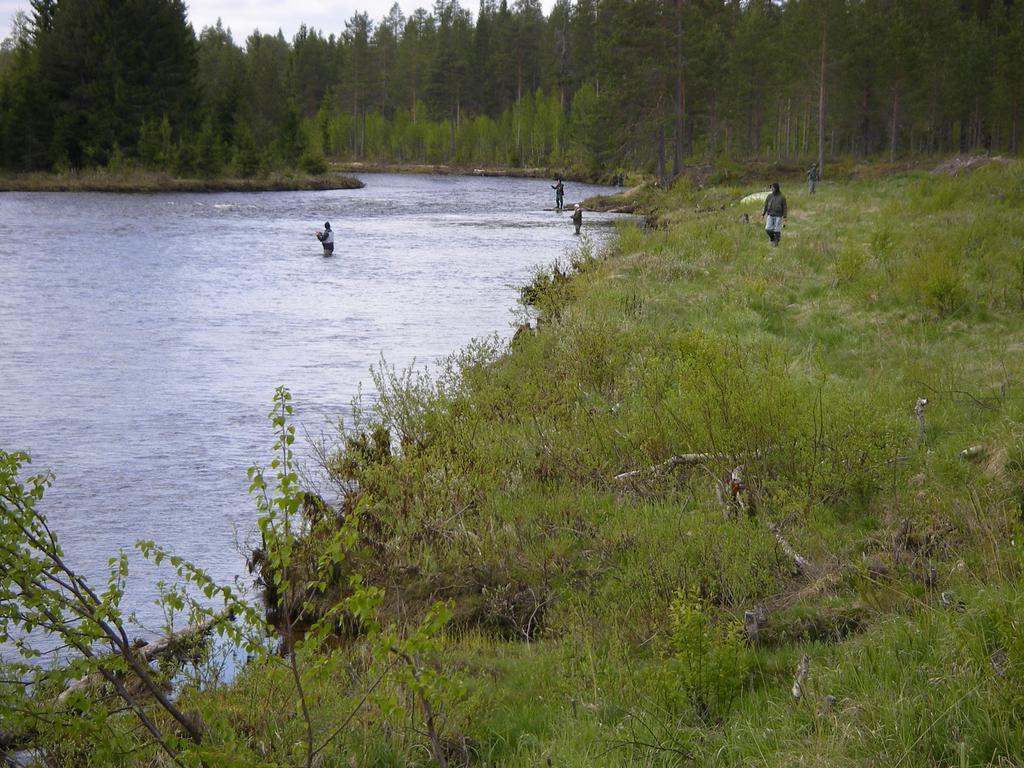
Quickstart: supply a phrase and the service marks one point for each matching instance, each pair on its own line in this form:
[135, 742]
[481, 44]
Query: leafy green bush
[313, 163]
[712, 658]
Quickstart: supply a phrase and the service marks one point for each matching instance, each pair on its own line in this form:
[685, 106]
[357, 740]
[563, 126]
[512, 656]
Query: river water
[142, 336]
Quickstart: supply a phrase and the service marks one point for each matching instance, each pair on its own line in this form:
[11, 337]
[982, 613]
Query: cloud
[244, 16]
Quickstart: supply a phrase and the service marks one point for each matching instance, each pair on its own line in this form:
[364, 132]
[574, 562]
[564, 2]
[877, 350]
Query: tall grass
[595, 586]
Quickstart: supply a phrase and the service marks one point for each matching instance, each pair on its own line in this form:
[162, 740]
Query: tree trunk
[451, 135]
[778, 131]
[865, 122]
[789, 128]
[806, 129]
[355, 123]
[892, 127]
[713, 138]
[661, 157]
[680, 124]
[677, 166]
[821, 100]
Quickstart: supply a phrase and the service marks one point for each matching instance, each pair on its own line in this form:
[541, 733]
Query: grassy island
[146, 181]
[721, 504]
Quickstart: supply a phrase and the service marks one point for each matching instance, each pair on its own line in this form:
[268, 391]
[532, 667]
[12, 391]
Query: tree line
[595, 85]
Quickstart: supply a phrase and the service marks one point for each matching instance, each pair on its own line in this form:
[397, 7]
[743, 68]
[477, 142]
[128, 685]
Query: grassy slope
[579, 599]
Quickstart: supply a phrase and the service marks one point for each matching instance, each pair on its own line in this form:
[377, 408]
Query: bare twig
[428, 711]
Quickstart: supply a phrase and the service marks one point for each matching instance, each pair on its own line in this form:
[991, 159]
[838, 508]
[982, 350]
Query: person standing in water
[559, 188]
[774, 213]
[577, 218]
[326, 238]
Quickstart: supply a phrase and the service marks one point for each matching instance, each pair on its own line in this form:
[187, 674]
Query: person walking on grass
[326, 239]
[559, 188]
[577, 218]
[774, 213]
[813, 177]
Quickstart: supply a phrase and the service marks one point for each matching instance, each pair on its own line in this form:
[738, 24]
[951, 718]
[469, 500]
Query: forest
[596, 85]
[593, 87]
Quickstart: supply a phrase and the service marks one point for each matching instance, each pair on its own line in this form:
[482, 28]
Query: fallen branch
[150, 651]
[681, 460]
[801, 562]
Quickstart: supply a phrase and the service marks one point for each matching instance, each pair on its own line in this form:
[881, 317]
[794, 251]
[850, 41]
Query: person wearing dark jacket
[774, 213]
[577, 218]
[326, 238]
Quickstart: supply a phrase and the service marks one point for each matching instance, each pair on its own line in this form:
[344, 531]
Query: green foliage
[713, 661]
[555, 492]
[45, 604]
[155, 147]
[596, 87]
[313, 164]
[299, 565]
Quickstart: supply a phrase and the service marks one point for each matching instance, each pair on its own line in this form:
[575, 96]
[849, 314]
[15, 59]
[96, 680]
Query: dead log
[919, 407]
[753, 620]
[153, 650]
[801, 675]
[972, 452]
[801, 562]
[682, 460]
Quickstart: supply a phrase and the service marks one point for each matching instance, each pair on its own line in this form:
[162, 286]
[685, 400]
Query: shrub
[712, 660]
[313, 163]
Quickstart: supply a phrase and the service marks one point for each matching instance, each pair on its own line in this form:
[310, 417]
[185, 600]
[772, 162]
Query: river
[142, 336]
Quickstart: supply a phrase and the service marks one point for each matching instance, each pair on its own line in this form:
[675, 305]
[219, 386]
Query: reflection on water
[142, 336]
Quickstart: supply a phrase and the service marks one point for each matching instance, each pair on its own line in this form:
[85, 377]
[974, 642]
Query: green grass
[801, 363]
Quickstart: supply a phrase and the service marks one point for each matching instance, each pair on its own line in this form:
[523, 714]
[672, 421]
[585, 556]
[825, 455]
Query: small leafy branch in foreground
[99, 694]
[297, 580]
[46, 603]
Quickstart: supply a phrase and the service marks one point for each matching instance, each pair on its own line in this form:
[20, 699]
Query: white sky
[243, 16]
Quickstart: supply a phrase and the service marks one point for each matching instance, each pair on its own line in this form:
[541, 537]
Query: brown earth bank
[101, 181]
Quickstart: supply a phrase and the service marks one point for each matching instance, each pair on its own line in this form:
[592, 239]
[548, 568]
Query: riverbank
[692, 515]
[144, 181]
[461, 170]
[720, 504]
